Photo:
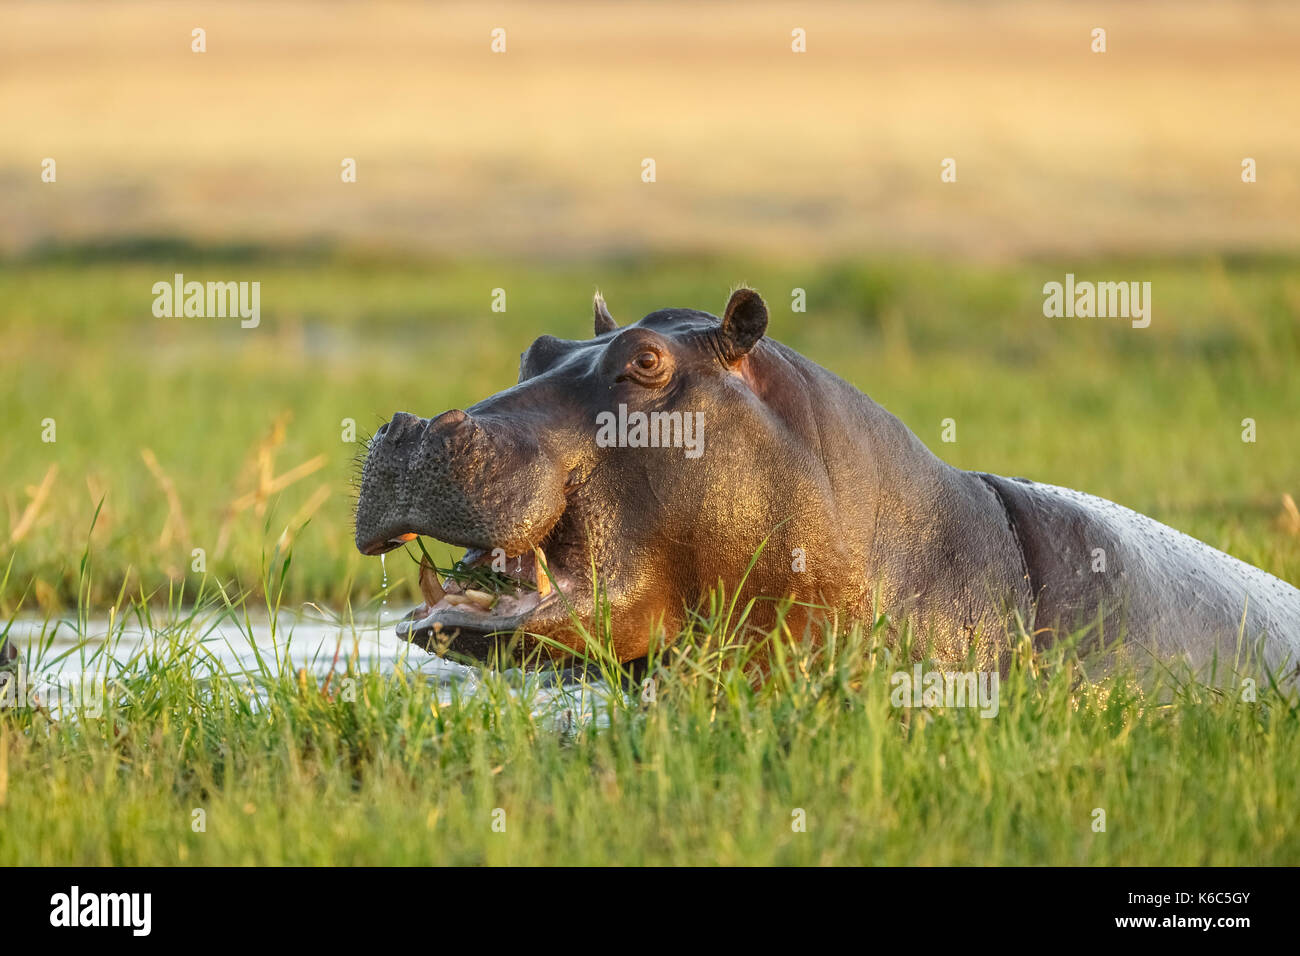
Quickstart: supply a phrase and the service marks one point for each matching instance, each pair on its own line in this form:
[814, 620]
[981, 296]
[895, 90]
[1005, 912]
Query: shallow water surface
[64, 660]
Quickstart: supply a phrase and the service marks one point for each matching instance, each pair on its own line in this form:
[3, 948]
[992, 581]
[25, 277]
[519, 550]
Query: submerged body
[841, 502]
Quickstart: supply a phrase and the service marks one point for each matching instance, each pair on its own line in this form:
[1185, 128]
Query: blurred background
[522, 170]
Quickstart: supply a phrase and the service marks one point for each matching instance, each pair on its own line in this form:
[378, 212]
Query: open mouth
[486, 593]
[538, 586]
[484, 599]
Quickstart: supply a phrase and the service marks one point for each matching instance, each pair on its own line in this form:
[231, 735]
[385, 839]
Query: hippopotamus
[624, 477]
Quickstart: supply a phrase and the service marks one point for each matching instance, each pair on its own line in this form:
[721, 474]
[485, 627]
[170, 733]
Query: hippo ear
[743, 323]
[604, 321]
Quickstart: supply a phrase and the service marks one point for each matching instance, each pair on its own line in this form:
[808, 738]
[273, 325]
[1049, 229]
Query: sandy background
[539, 150]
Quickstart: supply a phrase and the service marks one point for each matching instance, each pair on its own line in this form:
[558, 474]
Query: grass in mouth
[479, 577]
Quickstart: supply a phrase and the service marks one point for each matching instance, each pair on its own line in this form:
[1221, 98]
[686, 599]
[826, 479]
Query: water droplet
[384, 606]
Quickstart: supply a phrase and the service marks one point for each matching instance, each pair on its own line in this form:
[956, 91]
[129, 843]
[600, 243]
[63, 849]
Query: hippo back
[1086, 557]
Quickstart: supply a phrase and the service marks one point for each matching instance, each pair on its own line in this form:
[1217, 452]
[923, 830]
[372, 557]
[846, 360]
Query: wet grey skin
[795, 457]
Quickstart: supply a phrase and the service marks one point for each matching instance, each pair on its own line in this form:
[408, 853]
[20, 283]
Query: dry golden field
[539, 149]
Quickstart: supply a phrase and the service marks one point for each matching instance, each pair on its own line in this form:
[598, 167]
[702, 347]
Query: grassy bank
[191, 764]
[197, 434]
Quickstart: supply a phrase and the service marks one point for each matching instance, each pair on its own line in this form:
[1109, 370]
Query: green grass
[287, 771]
[716, 768]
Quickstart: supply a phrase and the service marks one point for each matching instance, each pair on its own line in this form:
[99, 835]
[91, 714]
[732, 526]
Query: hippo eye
[648, 366]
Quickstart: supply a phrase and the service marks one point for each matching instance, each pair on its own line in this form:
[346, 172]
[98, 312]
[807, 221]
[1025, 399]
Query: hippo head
[652, 460]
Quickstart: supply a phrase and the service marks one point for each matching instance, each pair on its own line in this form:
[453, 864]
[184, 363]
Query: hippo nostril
[403, 424]
[450, 418]
[404, 420]
[451, 423]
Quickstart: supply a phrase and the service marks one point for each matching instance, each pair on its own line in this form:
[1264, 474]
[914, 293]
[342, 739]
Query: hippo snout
[456, 479]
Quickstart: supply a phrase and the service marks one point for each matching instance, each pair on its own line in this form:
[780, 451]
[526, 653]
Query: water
[62, 664]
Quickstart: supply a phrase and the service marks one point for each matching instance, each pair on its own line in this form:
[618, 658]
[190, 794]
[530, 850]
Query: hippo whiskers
[599, 525]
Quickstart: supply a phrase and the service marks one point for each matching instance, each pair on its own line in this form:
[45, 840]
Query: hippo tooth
[455, 600]
[481, 598]
[430, 586]
[543, 579]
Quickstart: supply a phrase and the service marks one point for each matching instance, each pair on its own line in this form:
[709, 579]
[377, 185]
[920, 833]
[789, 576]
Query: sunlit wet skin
[840, 498]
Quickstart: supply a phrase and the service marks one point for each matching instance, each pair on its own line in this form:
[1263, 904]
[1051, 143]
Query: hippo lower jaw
[469, 631]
